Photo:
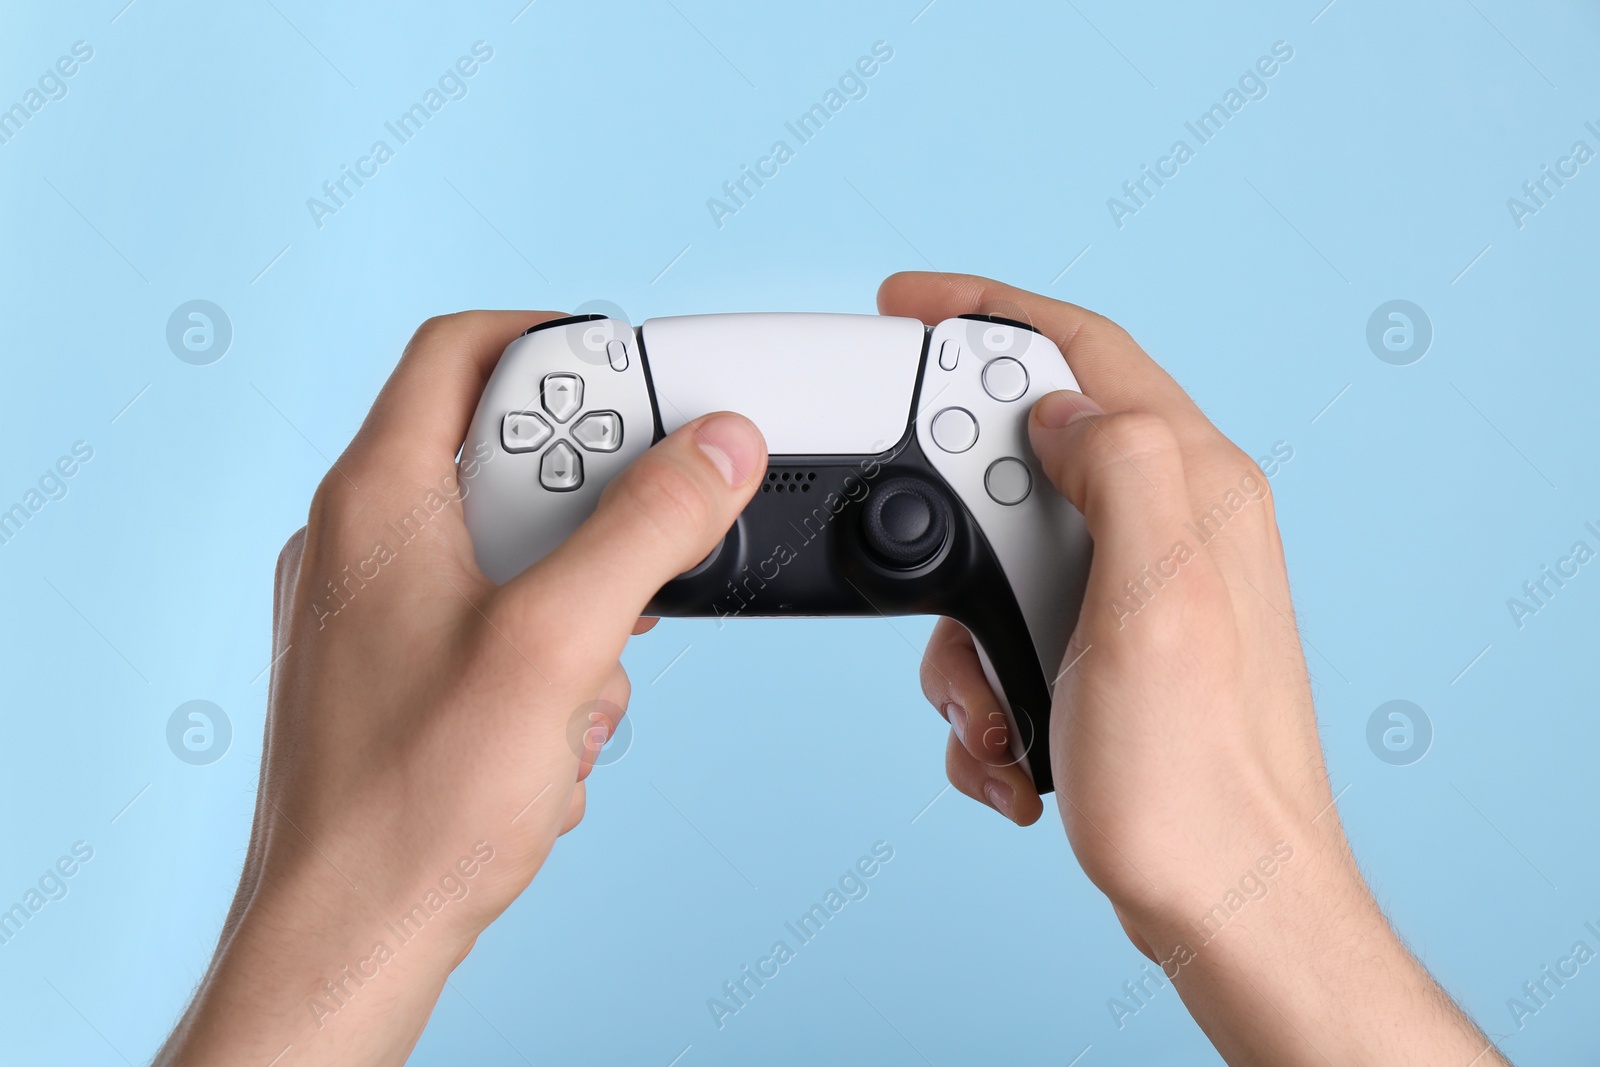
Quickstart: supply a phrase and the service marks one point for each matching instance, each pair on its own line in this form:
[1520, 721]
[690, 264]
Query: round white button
[954, 429]
[1008, 481]
[1005, 378]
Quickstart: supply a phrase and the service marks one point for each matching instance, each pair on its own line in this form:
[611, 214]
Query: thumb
[660, 517]
[1124, 471]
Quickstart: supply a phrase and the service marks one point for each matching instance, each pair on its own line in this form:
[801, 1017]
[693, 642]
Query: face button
[1008, 481]
[617, 355]
[954, 429]
[561, 469]
[523, 431]
[1005, 379]
[599, 431]
[905, 522]
[949, 354]
[562, 395]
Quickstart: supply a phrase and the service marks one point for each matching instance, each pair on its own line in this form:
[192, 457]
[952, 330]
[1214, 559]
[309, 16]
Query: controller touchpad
[815, 384]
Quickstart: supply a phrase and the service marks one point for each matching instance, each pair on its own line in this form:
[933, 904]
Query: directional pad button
[561, 468]
[562, 395]
[599, 431]
[523, 431]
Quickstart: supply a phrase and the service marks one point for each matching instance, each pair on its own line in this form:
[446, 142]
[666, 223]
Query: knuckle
[1235, 481]
[335, 517]
[575, 810]
[1263, 510]
[1234, 464]
[330, 506]
[1098, 331]
[1114, 331]
[1131, 436]
[290, 555]
[435, 327]
[935, 686]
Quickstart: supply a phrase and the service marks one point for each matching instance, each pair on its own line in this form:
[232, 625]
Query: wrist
[1178, 873]
[1272, 875]
[315, 964]
[1287, 887]
[1311, 959]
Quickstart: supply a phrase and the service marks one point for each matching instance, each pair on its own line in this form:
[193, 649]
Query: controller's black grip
[1019, 681]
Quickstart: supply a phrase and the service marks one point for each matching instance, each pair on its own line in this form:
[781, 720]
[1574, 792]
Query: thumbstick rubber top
[905, 522]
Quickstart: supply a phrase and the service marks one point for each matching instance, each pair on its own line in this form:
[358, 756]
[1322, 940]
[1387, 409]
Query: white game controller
[901, 480]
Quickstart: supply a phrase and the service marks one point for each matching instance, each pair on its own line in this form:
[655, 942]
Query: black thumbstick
[905, 522]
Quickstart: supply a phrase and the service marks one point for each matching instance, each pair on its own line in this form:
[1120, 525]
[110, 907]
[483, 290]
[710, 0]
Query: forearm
[1313, 974]
[315, 969]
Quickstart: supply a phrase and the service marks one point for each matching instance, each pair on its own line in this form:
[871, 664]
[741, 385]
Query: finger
[1138, 939]
[596, 723]
[284, 580]
[645, 624]
[1109, 365]
[656, 520]
[1125, 472]
[575, 809]
[421, 415]
[954, 683]
[981, 782]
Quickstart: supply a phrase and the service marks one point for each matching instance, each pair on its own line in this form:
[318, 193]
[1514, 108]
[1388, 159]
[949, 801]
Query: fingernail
[1000, 797]
[958, 720]
[734, 446]
[1062, 407]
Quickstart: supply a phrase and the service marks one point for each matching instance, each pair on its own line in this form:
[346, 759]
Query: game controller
[901, 480]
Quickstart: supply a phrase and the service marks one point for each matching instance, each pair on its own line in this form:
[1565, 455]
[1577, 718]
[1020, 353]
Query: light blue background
[1378, 167]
